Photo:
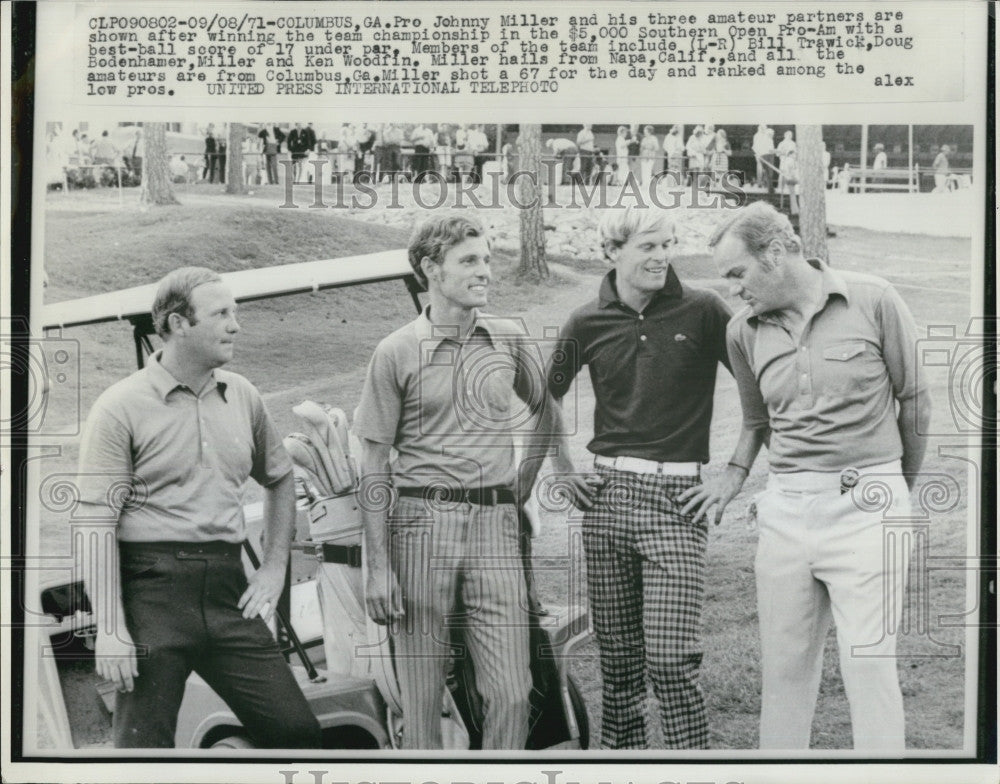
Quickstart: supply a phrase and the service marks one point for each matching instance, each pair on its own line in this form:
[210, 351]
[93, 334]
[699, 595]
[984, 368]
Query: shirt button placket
[803, 365]
[202, 434]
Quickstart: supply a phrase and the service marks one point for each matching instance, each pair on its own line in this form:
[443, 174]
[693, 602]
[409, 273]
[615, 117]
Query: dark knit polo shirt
[653, 372]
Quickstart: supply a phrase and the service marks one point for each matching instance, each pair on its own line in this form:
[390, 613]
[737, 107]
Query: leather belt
[637, 465]
[185, 550]
[486, 496]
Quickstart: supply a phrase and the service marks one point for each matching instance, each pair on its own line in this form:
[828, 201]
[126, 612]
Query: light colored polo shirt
[171, 465]
[447, 404]
[829, 398]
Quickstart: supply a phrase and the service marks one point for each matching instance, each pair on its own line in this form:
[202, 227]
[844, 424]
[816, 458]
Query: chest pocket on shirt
[850, 367]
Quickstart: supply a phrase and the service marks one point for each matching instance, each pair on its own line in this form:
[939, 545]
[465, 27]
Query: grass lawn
[317, 346]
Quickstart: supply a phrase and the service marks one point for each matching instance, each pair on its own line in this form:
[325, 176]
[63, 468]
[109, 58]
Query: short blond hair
[617, 226]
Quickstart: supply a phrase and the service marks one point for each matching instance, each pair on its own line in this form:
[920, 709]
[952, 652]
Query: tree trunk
[812, 185]
[234, 159]
[529, 193]
[157, 187]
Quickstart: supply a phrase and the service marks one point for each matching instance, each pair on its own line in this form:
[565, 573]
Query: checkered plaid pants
[645, 576]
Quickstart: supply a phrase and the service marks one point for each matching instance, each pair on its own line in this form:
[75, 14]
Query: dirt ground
[317, 346]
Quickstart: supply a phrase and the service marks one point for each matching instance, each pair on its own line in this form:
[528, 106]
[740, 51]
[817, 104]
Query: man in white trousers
[826, 368]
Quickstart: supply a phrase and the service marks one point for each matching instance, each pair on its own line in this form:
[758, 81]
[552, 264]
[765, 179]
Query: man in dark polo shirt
[442, 400]
[826, 368]
[163, 461]
[653, 346]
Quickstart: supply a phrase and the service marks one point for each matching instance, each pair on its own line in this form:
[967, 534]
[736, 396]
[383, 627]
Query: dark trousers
[421, 160]
[181, 609]
[477, 167]
[769, 172]
[390, 161]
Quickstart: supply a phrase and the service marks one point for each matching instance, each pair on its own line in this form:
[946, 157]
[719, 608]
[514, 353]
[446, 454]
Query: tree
[157, 187]
[234, 159]
[812, 185]
[529, 193]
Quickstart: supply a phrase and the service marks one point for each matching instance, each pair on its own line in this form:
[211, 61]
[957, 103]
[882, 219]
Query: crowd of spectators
[643, 155]
[75, 159]
[379, 152]
[387, 151]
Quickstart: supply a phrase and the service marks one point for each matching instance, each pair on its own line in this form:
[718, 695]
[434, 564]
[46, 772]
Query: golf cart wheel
[579, 712]
[233, 742]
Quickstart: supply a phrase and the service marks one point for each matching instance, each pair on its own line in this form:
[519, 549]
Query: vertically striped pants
[459, 565]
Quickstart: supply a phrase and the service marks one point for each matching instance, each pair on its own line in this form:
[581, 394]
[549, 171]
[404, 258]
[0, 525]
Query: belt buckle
[849, 479]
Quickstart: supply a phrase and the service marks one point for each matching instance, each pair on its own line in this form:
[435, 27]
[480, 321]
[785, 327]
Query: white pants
[824, 555]
[646, 167]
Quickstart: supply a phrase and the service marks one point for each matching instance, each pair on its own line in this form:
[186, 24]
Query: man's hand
[263, 591]
[382, 596]
[583, 489]
[710, 499]
[114, 658]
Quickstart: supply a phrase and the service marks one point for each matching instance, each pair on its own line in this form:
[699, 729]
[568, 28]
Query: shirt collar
[164, 383]
[608, 295]
[831, 282]
[434, 334]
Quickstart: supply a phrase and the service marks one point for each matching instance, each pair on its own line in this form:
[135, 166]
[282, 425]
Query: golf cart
[342, 660]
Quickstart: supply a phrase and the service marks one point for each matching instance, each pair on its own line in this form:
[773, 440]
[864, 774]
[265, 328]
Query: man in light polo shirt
[164, 458]
[443, 396]
[825, 364]
[653, 346]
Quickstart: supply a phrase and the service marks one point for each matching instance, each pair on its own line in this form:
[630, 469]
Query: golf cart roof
[134, 304]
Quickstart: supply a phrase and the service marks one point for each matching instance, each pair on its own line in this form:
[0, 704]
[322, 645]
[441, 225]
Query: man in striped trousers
[443, 396]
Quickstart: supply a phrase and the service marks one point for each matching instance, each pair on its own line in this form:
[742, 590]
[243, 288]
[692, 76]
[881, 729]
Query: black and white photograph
[409, 434]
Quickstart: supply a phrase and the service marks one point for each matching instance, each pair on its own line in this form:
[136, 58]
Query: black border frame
[23, 43]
